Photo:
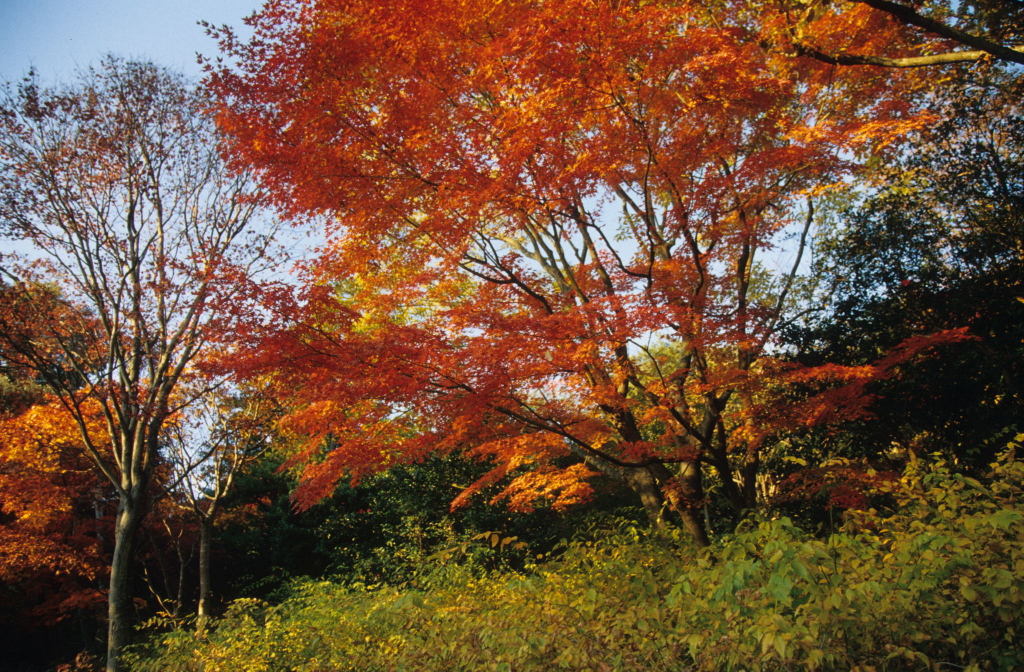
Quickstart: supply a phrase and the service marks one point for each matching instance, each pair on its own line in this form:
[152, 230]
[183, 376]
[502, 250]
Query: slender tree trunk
[120, 610]
[748, 475]
[179, 600]
[203, 608]
[733, 491]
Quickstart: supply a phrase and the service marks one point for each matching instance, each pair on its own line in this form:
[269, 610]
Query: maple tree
[49, 544]
[554, 230]
[137, 254]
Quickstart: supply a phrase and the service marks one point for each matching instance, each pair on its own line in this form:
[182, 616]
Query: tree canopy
[554, 230]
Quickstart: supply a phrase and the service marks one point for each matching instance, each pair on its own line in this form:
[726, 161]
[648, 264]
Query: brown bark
[120, 608]
[908, 15]
[684, 493]
[901, 62]
[203, 608]
[646, 487]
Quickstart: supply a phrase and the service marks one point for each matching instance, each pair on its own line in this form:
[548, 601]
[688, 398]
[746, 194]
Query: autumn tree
[50, 548]
[115, 186]
[557, 229]
[208, 447]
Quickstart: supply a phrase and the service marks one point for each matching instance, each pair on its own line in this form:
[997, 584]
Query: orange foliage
[48, 491]
[844, 486]
[833, 393]
[544, 222]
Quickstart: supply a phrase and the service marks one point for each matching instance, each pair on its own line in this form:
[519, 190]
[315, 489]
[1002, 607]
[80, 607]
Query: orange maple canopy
[551, 225]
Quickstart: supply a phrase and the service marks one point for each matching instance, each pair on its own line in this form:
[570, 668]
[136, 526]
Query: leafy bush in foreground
[936, 583]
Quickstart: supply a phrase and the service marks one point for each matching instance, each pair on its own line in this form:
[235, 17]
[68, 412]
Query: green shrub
[935, 583]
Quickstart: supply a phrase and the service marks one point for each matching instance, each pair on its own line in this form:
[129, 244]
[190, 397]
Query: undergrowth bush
[935, 583]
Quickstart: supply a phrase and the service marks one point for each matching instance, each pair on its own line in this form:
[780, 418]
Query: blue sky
[58, 36]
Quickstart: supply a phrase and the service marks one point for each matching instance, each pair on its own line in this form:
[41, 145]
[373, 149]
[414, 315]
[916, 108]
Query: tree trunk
[748, 475]
[120, 609]
[733, 491]
[657, 486]
[642, 482]
[691, 489]
[203, 608]
[684, 492]
[179, 598]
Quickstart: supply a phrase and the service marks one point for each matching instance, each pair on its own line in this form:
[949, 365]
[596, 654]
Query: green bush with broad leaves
[933, 582]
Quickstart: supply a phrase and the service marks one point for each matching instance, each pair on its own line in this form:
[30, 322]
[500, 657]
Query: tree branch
[908, 15]
[904, 62]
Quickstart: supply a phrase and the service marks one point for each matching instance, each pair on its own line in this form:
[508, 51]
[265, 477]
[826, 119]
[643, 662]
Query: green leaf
[1004, 518]
[780, 647]
[780, 588]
